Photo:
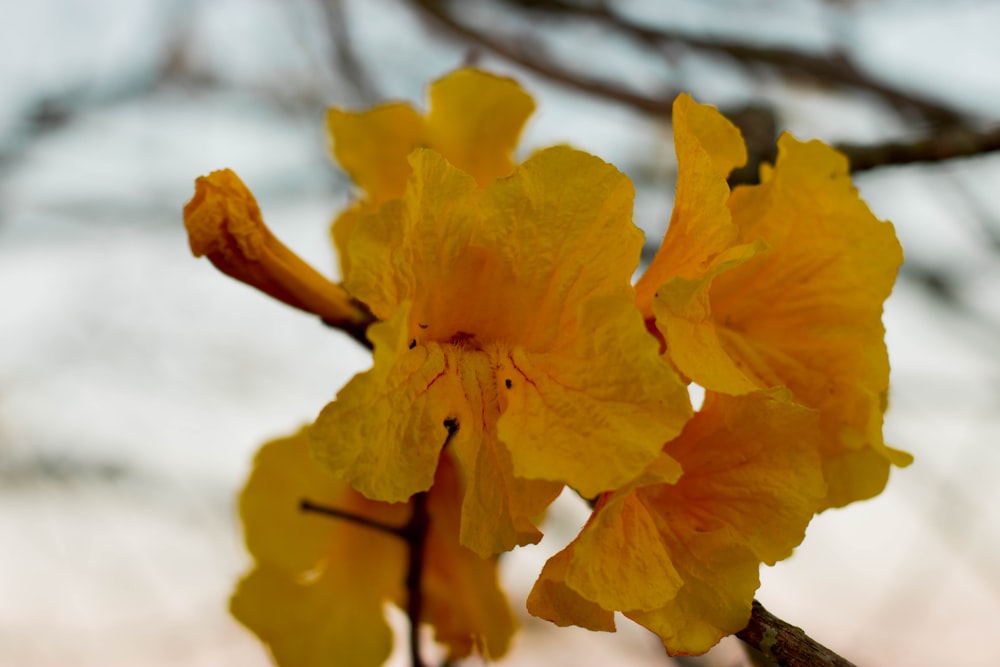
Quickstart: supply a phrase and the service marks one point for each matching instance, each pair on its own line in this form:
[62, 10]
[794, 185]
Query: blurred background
[136, 382]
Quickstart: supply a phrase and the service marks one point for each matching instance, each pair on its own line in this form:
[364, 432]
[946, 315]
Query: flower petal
[807, 314]
[462, 597]
[384, 432]
[475, 120]
[751, 483]
[595, 415]
[224, 223]
[563, 223]
[317, 592]
[372, 146]
[708, 147]
[552, 599]
[335, 620]
[276, 530]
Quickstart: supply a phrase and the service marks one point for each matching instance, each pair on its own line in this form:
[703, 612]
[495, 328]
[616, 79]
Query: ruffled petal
[807, 314]
[563, 224]
[708, 147]
[475, 120]
[683, 314]
[462, 597]
[751, 483]
[595, 415]
[385, 431]
[372, 146]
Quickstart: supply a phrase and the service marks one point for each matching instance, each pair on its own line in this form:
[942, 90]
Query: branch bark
[785, 644]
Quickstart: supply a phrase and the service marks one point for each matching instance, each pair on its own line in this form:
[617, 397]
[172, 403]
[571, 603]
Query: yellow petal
[386, 429]
[684, 317]
[372, 146]
[499, 510]
[276, 530]
[475, 120]
[224, 223]
[563, 223]
[807, 314]
[553, 600]
[405, 250]
[625, 533]
[751, 483]
[462, 597]
[317, 592]
[597, 414]
[708, 147]
[333, 620]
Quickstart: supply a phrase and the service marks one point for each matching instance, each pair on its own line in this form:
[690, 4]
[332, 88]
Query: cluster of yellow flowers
[513, 356]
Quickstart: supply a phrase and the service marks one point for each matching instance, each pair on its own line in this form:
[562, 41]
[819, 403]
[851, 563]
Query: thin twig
[307, 505]
[785, 644]
[416, 537]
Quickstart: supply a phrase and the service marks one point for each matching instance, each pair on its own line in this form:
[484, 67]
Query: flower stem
[414, 533]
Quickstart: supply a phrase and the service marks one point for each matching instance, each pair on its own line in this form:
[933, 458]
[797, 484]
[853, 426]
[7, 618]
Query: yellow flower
[317, 593]
[474, 121]
[779, 285]
[680, 553]
[509, 333]
[224, 223]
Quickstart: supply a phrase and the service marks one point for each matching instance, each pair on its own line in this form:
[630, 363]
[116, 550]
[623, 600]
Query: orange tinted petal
[751, 483]
[708, 147]
[224, 223]
[807, 314]
[552, 599]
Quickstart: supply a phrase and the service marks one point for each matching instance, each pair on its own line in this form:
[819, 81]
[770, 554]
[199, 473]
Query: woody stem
[785, 645]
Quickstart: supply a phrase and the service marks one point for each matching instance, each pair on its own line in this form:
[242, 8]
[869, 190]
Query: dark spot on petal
[422, 326]
[413, 343]
[451, 423]
[508, 383]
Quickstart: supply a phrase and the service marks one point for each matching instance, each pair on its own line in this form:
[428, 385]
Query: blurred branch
[953, 138]
[346, 60]
[516, 52]
[832, 68]
[785, 644]
[956, 142]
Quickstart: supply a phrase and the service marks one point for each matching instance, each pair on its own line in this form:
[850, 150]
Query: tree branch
[785, 644]
[831, 68]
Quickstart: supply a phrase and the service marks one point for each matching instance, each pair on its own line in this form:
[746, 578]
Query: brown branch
[785, 644]
[952, 144]
[835, 67]
[657, 106]
[948, 145]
